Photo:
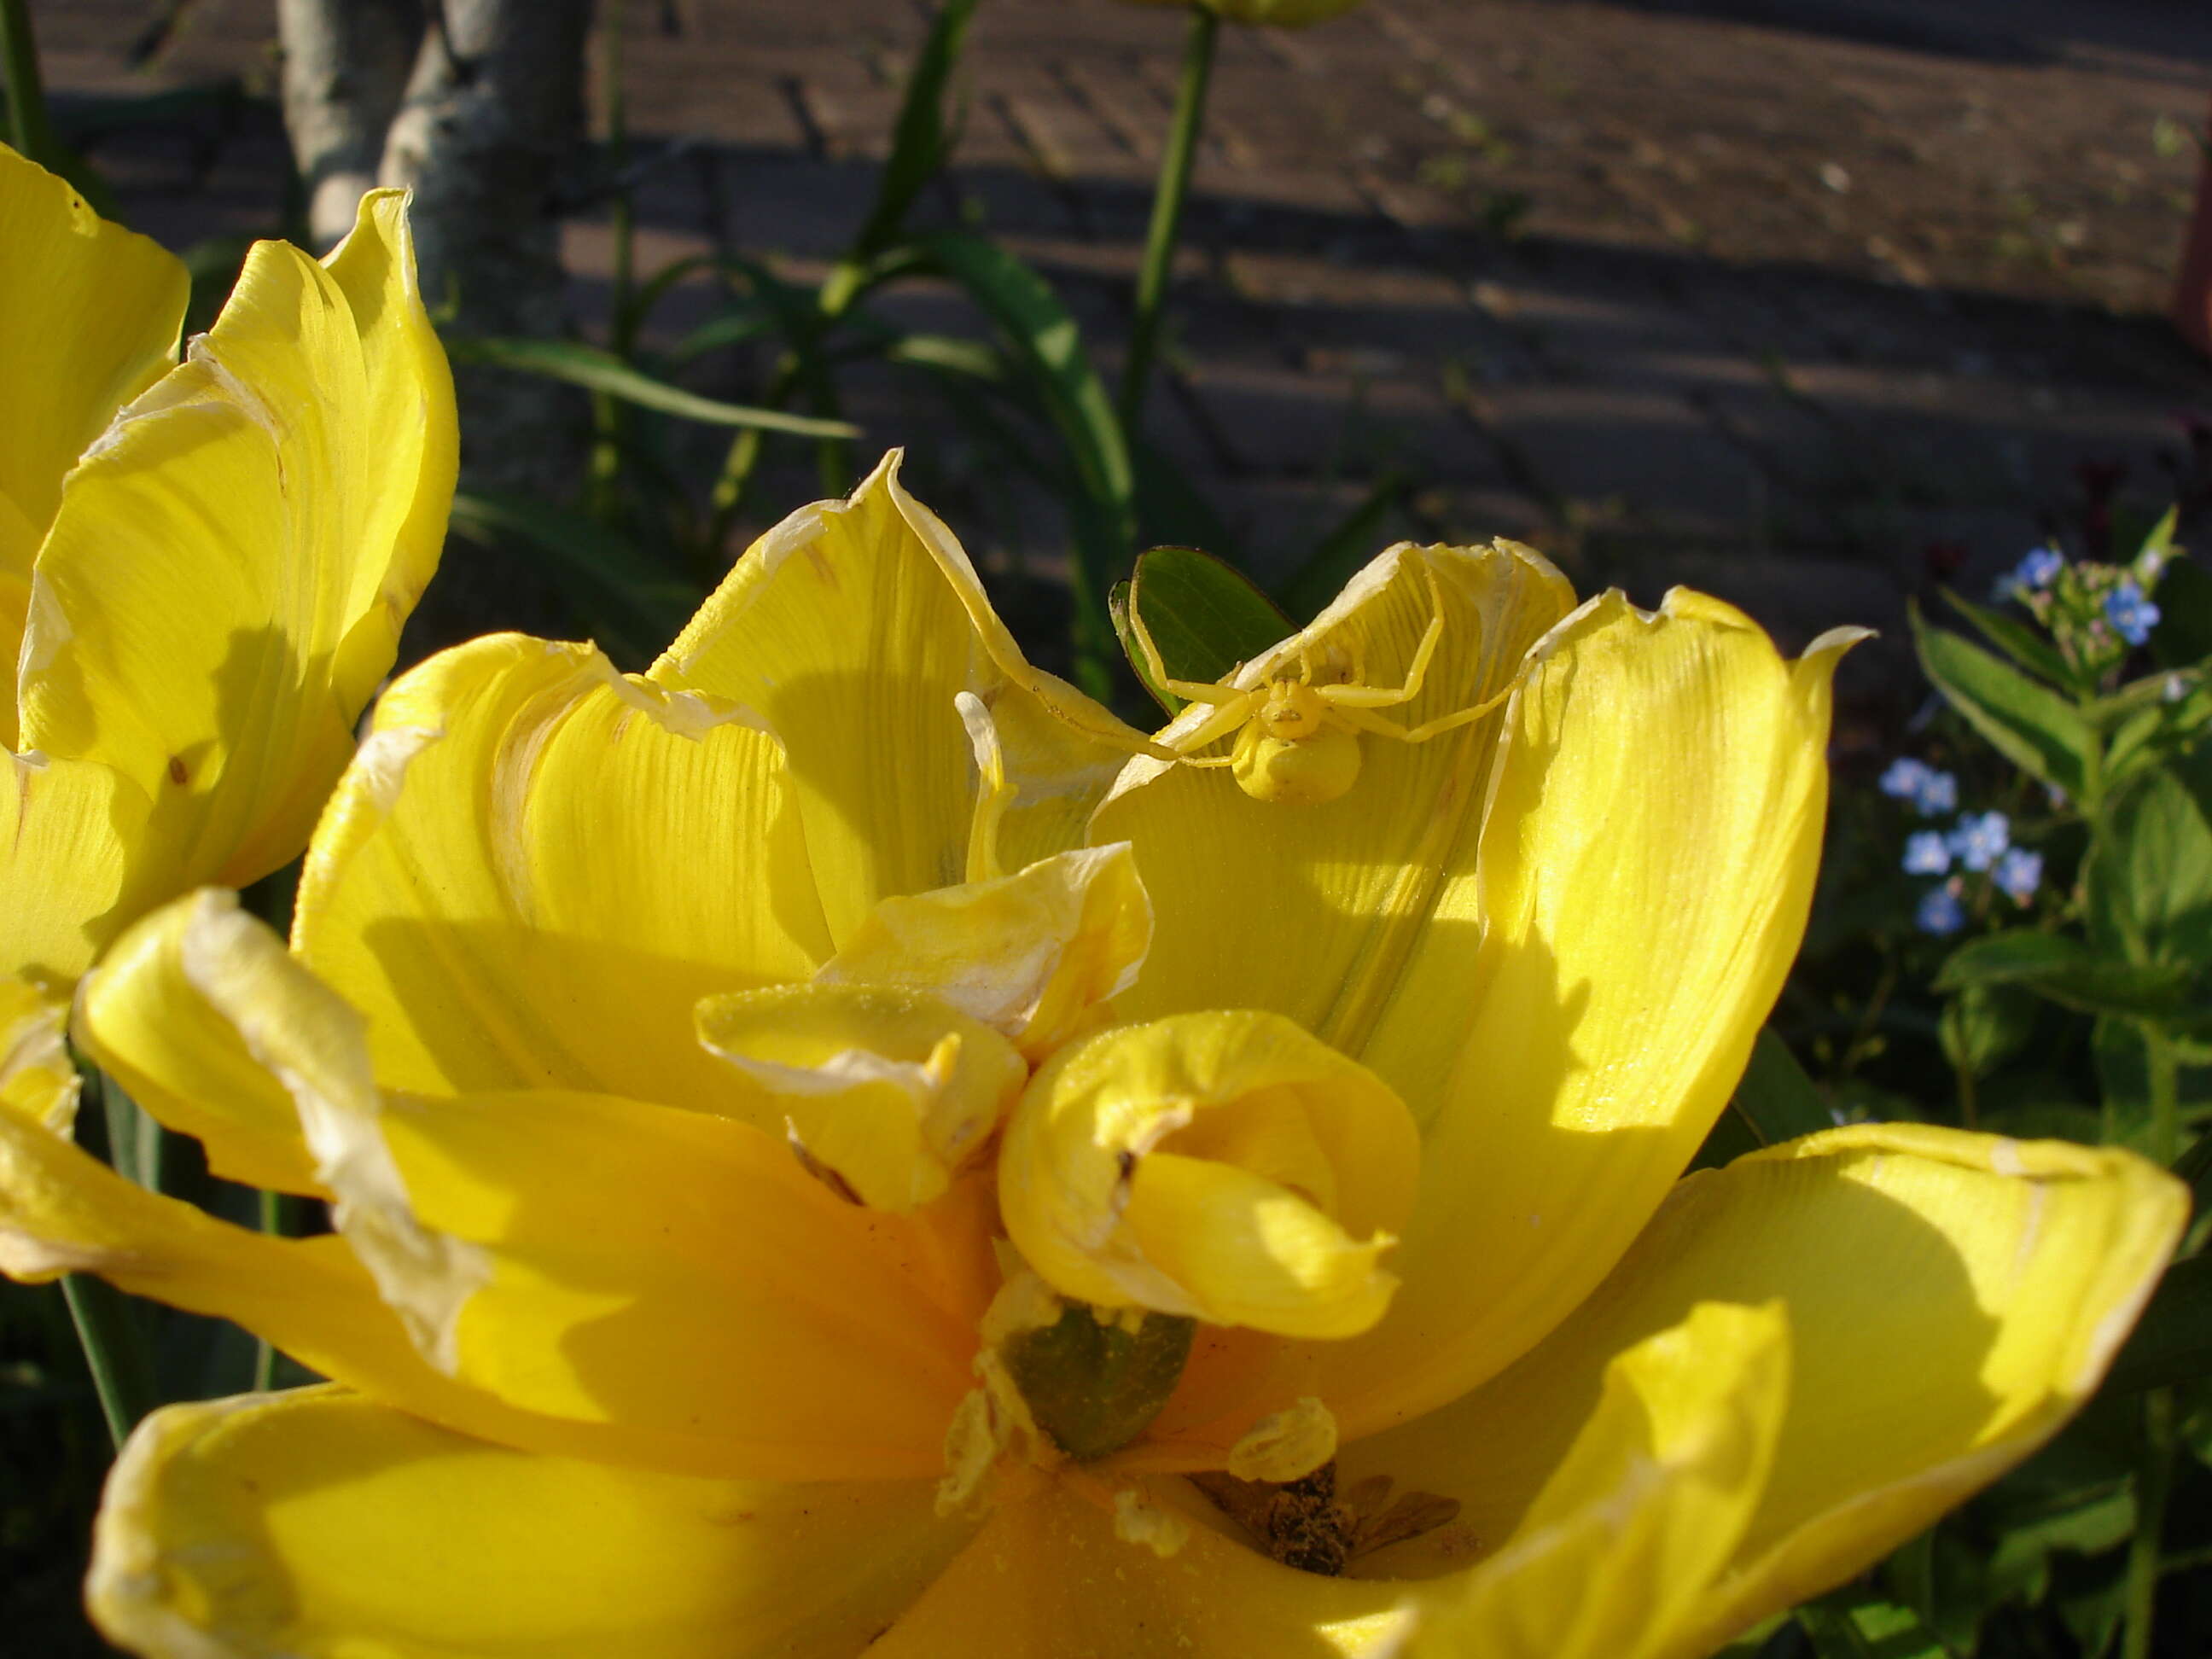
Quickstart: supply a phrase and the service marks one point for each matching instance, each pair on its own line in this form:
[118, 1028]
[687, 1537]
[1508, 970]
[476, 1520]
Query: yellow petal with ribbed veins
[885, 1093]
[1222, 1166]
[321, 1524]
[89, 320]
[38, 1082]
[1314, 910]
[1031, 955]
[537, 867]
[1643, 1511]
[63, 1211]
[1951, 1299]
[850, 628]
[669, 1273]
[1646, 864]
[173, 1013]
[226, 575]
[66, 877]
[1047, 1577]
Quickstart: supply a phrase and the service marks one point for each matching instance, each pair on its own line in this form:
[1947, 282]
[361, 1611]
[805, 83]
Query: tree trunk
[481, 128]
[346, 64]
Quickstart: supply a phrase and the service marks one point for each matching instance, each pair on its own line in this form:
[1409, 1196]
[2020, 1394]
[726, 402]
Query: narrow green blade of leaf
[632, 614]
[2073, 975]
[1049, 344]
[600, 371]
[1348, 545]
[1858, 1623]
[2014, 638]
[2172, 1340]
[1775, 1099]
[922, 138]
[1204, 618]
[2030, 725]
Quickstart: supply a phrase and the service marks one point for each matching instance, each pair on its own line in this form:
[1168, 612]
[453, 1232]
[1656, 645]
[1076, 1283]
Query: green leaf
[1776, 1100]
[1204, 617]
[2031, 727]
[2148, 877]
[1048, 345]
[2070, 974]
[922, 139]
[1985, 1025]
[2016, 639]
[2172, 1340]
[1859, 1623]
[601, 371]
[634, 613]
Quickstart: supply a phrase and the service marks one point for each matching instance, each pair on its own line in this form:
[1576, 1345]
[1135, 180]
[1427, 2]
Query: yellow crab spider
[1298, 743]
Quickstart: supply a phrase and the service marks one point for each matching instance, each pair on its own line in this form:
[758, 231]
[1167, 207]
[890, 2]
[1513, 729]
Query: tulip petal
[67, 882]
[850, 628]
[226, 573]
[1312, 910]
[320, 1523]
[1644, 1509]
[1951, 1299]
[89, 320]
[1647, 861]
[38, 1083]
[1047, 1577]
[63, 1211]
[537, 867]
[175, 1012]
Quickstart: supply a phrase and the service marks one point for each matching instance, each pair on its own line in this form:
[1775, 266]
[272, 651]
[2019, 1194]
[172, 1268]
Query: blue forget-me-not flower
[2131, 615]
[2018, 874]
[1980, 839]
[1926, 854]
[1940, 912]
[1930, 792]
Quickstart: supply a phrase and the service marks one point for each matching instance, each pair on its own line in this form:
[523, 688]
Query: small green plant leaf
[600, 371]
[2070, 974]
[1775, 1099]
[1204, 618]
[1860, 1623]
[2031, 726]
[1985, 1025]
[2016, 639]
[2148, 877]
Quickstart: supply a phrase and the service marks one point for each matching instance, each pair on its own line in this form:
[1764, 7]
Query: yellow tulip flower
[836, 1144]
[204, 565]
[1281, 14]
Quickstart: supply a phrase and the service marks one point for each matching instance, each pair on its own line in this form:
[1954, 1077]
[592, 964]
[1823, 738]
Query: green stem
[2153, 1481]
[28, 128]
[114, 1351]
[135, 1141]
[279, 1219]
[1168, 197]
[2165, 1080]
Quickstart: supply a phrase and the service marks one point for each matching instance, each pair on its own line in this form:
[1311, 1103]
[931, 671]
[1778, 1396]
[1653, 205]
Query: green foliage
[2073, 1005]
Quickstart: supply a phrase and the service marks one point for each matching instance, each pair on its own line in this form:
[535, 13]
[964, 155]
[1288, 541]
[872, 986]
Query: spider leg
[1225, 719]
[1386, 696]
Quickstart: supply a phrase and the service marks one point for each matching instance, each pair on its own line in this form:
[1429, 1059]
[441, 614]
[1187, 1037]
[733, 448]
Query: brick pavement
[1771, 294]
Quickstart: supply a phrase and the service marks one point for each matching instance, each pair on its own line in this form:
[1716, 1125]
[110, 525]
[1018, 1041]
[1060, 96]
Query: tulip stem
[1168, 197]
[279, 1219]
[26, 94]
[114, 1351]
[2153, 1480]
